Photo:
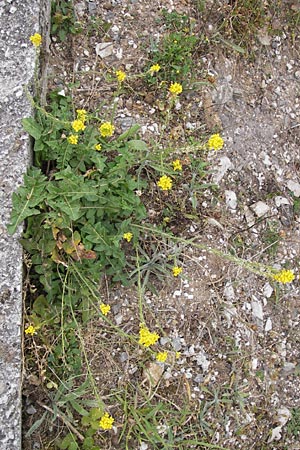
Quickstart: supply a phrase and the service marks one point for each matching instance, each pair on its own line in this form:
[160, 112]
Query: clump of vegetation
[86, 206]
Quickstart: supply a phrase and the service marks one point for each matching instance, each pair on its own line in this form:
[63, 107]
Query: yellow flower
[155, 68]
[177, 165]
[73, 139]
[175, 88]
[215, 142]
[128, 236]
[36, 39]
[98, 147]
[106, 129]
[106, 422]
[78, 125]
[161, 357]
[81, 114]
[120, 75]
[30, 330]
[284, 276]
[165, 183]
[104, 309]
[177, 271]
[146, 337]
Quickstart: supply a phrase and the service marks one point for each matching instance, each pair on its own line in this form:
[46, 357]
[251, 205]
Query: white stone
[254, 364]
[283, 415]
[294, 187]
[257, 310]
[104, 49]
[267, 290]
[260, 208]
[231, 199]
[224, 165]
[279, 200]
[229, 292]
[249, 216]
[202, 361]
[268, 325]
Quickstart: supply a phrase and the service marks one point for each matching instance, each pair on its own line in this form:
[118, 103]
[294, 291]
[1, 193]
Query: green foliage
[82, 206]
[63, 20]
[174, 55]
[293, 425]
[174, 21]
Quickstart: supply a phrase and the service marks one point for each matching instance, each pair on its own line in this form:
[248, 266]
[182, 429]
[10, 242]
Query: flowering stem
[255, 267]
[140, 291]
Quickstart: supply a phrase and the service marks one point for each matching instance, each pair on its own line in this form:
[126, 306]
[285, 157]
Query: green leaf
[138, 145]
[73, 446]
[32, 127]
[28, 196]
[67, 441]
[235, 47]
[129, 133]
[88, 443]
[36, 425]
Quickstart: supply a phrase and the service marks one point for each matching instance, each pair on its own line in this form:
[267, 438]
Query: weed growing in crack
[86, 205]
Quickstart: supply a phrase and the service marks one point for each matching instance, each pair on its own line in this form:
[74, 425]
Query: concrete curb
[19, 19]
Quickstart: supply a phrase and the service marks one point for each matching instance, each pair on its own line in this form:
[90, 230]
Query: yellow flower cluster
[177, 271]
[175, 89]
[36, 39]
[165, 183]
[146, 337]
[215, 142]
[155, 68]
[284, 276]
[120, 75]
[128, 236]
[98, 147]
[106, 422]
[106, 129]
[81, 114]
[104, 309]
[73, 139]
[177, 165]
[30, 330]
[161, 357]
[78, 125]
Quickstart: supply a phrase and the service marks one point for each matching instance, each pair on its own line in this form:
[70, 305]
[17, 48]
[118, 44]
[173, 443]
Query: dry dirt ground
[237, 333]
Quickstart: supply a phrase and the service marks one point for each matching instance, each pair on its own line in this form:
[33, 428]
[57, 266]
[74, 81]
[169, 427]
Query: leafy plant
[174, 56]
[63, 19]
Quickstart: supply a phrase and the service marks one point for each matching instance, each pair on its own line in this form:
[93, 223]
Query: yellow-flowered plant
[215, 142]
[120, 76]
[176, 271]
[165, 183]
[284, 276]
[98, 147]
[78, 125]
[81, 114]
[106, 422]
[36, 39]
[30, 330]
[106, 129]
[154, 69]
[73, 139]
[177, 165]
[128, 236]
[161, 357]
[147, 338]
[104, 308]
[175, 88]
